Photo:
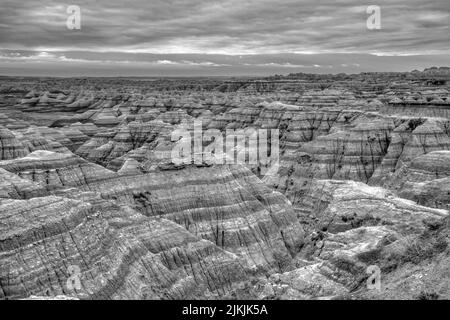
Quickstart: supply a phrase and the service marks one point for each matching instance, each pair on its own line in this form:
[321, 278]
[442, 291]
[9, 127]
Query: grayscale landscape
[143, 156]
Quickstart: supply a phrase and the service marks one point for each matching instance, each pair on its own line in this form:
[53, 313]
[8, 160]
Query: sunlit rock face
[88, 181]
[56, 170]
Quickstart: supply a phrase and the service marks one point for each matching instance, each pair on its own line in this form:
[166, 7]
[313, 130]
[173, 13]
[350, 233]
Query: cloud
[36, 57]
[207, 35]
[227, 26]
[31, 56]
[82, 63]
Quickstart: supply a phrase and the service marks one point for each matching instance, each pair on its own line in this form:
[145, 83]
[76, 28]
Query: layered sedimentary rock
[114, 252]
[364, 147]
[14, 187]
[111, 144]
[353, 226]
[422, 271]
[89, 129]
[43, 138]
[436, 105]
[12, 124]
[88, 183]
[336, 206]
[434, 193]
[425, 167]
[353, 153]
[228, 206]
[425, 179]
[10, 146]
[56, 170]
[240, 215]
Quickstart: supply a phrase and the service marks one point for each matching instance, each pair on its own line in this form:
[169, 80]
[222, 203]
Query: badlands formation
[90, 195]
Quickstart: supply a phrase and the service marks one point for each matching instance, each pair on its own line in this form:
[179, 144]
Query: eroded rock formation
[88, 186]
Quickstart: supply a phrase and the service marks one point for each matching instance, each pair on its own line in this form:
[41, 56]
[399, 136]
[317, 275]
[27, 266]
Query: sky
[226, 37]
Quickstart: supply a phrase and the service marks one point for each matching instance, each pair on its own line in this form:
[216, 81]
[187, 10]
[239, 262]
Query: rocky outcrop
[337, 206]
[14, 187]
[88, 188]
[10, 146]
[434, 193]
[426, 167]
[108, 145]
[353, 226]
[359, 146]
[239, 215]
[12, 124]
[227, 206]
[425, 179]
[114, 252]
[56, 170]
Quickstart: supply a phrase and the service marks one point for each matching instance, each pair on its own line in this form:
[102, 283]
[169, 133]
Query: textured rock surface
[14, 187]
[87, 183]
[227, 206]
[425, 179]
[56, 171]
[10, 146]
[120, 253]
[353, 226]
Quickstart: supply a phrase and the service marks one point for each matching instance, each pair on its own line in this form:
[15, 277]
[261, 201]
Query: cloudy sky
[226, 37]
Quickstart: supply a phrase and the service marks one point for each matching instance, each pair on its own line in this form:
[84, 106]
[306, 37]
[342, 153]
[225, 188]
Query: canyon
[362, 179]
